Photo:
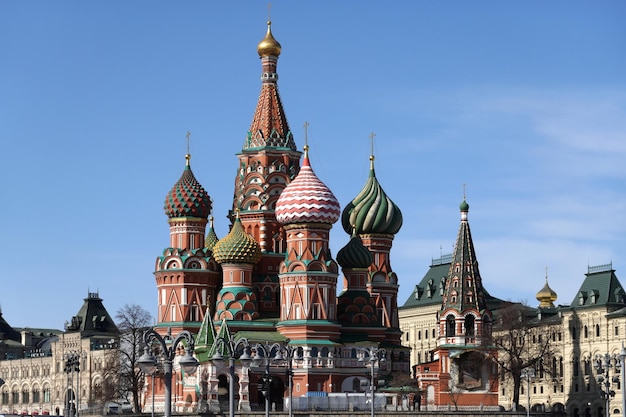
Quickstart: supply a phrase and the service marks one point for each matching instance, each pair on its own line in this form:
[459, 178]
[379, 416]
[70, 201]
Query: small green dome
[464, 206]
[211, 237]
[237, 247]
[354, 254]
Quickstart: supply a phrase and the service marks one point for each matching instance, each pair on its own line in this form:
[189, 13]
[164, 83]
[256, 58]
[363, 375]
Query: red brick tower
[308, 275]
[376, 219]
[267, 163]
[463, 372]
[186, 275]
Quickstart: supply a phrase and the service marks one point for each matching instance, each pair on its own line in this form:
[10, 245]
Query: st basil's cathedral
[272, 279]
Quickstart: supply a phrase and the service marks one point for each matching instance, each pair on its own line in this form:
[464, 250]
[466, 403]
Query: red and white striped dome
[307, 199]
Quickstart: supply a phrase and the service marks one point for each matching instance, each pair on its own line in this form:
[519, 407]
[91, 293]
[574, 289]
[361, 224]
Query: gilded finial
[372, 136]
[464, 192]
[269, 46]
[188, 156]
[306, 139]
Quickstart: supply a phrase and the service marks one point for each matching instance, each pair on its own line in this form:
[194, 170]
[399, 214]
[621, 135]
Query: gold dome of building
[546, 296]
[269, 46]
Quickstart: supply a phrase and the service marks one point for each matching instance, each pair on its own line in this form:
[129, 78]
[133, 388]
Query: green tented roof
[600, 288]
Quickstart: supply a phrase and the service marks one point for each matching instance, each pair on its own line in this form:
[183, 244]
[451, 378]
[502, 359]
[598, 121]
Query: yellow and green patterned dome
[237, 247]
[211, 237]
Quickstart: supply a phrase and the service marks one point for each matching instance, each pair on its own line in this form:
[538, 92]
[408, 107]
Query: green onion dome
[187, 198]
[211, 237]
[354, 254]
[372, 211]
[237, 247]
[464, 206]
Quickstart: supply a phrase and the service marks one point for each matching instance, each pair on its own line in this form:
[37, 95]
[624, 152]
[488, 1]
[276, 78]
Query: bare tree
[132, 322]
[522, 341]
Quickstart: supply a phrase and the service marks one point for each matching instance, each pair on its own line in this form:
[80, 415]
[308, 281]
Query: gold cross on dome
[306, 133]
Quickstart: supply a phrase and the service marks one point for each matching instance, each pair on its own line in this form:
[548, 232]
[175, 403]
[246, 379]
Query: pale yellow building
[581, 331]
[47, 372]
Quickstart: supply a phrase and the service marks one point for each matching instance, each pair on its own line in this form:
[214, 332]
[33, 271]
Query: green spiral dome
[372, 211]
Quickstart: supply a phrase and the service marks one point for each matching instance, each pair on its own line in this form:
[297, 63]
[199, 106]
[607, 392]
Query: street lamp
[168, 347]
[374, 355]
[263, 351]
[232, 348]
[528, 373]
[72, 364]
[603, 365]
[622, 361]
[149, 369]
[290, 354]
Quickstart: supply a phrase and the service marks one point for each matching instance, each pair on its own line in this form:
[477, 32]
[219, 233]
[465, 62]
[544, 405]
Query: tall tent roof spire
[468, 292]
[269, 127]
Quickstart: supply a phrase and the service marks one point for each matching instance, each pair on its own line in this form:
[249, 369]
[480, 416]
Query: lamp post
[149, 369]
[263, 352]
[72, 364]
[290, 354]
[374, 355]
[232, 348]
[603, 365]
[622, 360]
[527, 373]
[168, 347]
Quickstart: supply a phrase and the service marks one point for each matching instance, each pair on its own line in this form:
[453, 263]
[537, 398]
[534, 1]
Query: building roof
[429, 291]
[465, 290]
[600, 288]
[92, 319]
[7, 332]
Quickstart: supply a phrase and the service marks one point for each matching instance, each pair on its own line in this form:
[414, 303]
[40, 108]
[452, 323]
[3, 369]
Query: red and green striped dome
[187, 198]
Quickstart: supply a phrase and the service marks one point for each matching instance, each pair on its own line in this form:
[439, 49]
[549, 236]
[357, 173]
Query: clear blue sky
[525, 102]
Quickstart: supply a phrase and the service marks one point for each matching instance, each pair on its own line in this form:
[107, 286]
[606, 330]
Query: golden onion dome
[546, 296]
[269, 46]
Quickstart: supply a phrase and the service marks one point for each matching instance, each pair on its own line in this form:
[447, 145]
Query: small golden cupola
[269, 46]
[546, 296]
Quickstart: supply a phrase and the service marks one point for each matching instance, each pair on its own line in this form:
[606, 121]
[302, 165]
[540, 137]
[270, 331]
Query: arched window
[469, 326]
[597, 330]
[450, 326]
